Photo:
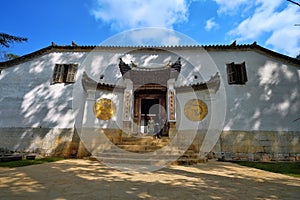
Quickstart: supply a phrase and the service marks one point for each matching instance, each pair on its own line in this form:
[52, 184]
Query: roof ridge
[85, 48]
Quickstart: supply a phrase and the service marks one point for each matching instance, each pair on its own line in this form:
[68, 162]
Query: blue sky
[89, 22]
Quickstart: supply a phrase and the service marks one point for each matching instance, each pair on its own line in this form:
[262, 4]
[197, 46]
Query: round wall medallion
[195, 110]
[104, 109]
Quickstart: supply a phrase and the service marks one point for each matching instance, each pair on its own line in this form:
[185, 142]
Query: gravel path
[84, 179]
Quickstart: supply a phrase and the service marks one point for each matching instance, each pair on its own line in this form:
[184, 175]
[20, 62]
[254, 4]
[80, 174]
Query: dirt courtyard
[84, 179]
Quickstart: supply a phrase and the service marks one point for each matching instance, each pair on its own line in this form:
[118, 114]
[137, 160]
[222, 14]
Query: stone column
[171, 107]
[88, 116]
[128, 107]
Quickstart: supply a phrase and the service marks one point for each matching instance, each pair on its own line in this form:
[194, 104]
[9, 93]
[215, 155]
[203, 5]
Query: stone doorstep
[139, 148]
[130, 158]
[131, 155]
[149, 162]
[261, 156]
[170, 150]
[148, 142]
[142, 138]
[142, 144]
[30, 157]
[182, 161]
[10, 158]
[155, 162]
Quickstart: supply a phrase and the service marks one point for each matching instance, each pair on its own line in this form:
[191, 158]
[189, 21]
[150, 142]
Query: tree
[10, 56]
[6, 39]
[5, 42]
[294, 2]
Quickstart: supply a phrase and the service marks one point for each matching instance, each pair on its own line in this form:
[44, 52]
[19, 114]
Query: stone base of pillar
[172, 129]
[127, 127]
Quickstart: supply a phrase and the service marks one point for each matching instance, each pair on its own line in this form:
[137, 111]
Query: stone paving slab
[85, 179]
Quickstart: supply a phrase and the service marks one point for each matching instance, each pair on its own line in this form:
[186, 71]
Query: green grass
[287, 168]
[24, 162]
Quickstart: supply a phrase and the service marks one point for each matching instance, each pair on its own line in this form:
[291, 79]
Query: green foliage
[287, 168]
[10, 56]
[24, 162]
[6, 40]
[4, 56]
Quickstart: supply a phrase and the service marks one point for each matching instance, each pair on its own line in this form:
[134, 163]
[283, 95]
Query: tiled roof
[76, 48]
[212, 84]
[88, 82]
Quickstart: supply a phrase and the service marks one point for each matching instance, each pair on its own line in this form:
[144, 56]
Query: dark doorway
[149, 100]
[147, 104]
[149, 107]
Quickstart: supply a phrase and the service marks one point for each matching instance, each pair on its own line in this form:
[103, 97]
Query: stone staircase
[144, 152]
[143, 144]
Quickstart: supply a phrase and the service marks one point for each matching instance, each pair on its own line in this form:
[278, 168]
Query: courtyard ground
[84, 179]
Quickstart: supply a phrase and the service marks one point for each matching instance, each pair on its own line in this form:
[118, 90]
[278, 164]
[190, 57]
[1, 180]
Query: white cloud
[149, 37]
[155, 36]
[210, 24]
[122, 14]
[228, 6]
[272, 20]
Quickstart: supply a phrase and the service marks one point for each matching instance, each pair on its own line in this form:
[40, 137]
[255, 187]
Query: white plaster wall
[116, 121]
[182, 122]
[268, 102]
[28, 99]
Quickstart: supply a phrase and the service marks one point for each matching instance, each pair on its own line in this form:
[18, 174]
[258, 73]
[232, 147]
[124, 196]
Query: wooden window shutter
[55, 77]
[58, 74]
[244, 78]
[231, 73]
[71, 74]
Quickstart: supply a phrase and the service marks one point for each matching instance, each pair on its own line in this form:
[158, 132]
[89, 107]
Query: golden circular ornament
[104, 109]
[195, 110]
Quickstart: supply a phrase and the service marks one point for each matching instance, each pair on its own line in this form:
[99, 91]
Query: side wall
[36, 115]
[261, 116]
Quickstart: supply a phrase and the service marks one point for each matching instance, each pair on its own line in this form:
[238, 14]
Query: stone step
[143, 138]
[153, 157]
[147, 151]
[190, 154]
[135, 143]
[145, 142]
[137, 138]
[134, 161]
[162, 150]
[182, 161]
[131, 155]
[139, 148]
[174, 160]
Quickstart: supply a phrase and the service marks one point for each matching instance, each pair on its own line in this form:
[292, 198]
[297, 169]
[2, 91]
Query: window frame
[236, 73]
[64, 73]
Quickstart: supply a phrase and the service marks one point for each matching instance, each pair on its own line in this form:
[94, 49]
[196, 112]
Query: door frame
[145, 93]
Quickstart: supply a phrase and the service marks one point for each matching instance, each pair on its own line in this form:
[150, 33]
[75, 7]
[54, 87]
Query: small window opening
[236, 73]
[64, 73]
